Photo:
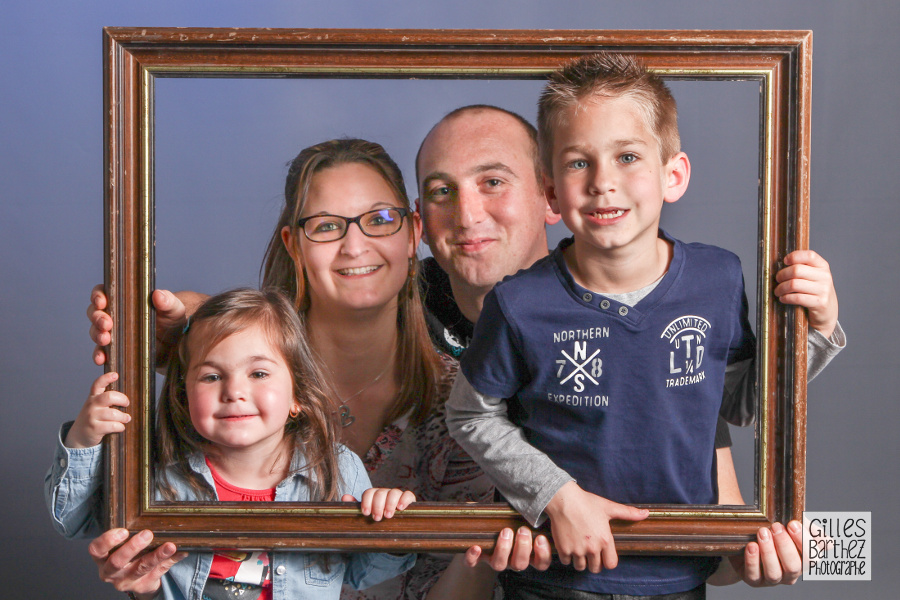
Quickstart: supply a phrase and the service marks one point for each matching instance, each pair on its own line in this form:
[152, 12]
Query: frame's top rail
[692, 40]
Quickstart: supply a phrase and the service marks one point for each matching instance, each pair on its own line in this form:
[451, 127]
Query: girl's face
[240, 393]
[357, 271]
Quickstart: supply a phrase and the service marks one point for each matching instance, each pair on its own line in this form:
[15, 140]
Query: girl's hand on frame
[98, 416]
[126, 568]
[382, 502]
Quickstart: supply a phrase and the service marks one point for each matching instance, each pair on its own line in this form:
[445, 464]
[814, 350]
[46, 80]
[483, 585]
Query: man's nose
[470, 209]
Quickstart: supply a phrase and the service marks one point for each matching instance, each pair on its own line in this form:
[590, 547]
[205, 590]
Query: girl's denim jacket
[71, 490]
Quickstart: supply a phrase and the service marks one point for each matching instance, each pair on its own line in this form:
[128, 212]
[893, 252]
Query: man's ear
[678, 175]
[551, 217]
[552, 202]
[417, 233]
[421, 221]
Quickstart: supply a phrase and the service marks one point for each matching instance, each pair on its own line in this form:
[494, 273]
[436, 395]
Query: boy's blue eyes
[626, 158]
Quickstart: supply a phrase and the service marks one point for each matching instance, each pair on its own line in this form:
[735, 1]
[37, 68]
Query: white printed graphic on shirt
[579, 366]
[686, 336]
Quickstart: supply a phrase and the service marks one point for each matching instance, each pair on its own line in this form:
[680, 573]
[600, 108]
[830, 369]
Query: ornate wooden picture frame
[135, 57]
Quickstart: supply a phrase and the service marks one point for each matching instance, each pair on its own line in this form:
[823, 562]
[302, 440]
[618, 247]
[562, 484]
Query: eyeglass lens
[375, 223]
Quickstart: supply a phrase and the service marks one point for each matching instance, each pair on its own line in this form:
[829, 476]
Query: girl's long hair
[415, 352]
[313, 432]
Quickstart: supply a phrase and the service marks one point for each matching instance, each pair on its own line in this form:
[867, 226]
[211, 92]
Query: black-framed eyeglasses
[380, 222]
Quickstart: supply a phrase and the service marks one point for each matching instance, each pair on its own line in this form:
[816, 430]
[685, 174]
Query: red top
[234, 569]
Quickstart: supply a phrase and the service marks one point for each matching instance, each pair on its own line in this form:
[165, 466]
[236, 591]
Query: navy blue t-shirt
[624, 399]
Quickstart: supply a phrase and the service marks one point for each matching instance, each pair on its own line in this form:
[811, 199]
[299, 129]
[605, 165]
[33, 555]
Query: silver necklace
[348, 419]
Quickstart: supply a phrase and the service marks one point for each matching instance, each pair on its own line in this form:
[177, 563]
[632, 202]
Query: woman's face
[356, 271]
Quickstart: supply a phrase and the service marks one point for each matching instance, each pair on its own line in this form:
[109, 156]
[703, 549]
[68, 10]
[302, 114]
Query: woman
[345, 249]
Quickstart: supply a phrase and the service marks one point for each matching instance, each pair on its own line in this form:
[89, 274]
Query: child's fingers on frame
[397, 500]
[803, 273]
[100, 384]
[407, 497]
[113, 398]
[809, 257]
[365, 504]
[610, 557]
[114, 417]
[379, 503]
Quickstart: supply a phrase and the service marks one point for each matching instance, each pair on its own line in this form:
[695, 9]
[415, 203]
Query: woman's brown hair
[421, 363]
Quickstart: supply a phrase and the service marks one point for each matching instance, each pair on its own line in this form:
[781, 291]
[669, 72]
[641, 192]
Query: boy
[613, 350]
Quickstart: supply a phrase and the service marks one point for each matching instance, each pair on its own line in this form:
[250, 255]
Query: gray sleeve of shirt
[526, 477]
[820, 350]
[740, 384]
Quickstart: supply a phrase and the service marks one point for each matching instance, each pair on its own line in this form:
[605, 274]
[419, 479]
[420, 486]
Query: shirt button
[604, 304]
[587, 297]
[623, 310]
[62, 463]
[280, 570]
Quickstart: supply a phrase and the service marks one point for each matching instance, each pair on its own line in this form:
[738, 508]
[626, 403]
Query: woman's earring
[295, 410]
[411, 279]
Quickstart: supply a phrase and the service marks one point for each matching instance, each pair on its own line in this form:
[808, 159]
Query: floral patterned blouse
[424, 459]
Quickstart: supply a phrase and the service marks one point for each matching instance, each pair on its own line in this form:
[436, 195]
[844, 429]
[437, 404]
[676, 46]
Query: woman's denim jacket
[71, 490]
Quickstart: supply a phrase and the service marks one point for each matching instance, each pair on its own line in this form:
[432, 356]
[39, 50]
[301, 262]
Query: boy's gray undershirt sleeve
[820, 349]
[740, 386]
[526, 477]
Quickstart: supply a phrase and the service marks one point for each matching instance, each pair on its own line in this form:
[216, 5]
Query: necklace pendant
[346, 418]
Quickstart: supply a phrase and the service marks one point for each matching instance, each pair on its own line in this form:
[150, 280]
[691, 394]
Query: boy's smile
[608, 181]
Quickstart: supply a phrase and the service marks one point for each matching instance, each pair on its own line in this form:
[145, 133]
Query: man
[484, 213]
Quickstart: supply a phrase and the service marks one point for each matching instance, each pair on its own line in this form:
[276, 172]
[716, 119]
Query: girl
[244, 415]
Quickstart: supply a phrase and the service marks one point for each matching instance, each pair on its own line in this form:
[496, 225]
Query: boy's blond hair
[608, 75]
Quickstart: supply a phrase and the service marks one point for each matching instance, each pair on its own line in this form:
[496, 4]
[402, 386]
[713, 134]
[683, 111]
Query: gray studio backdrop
[222, 146]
